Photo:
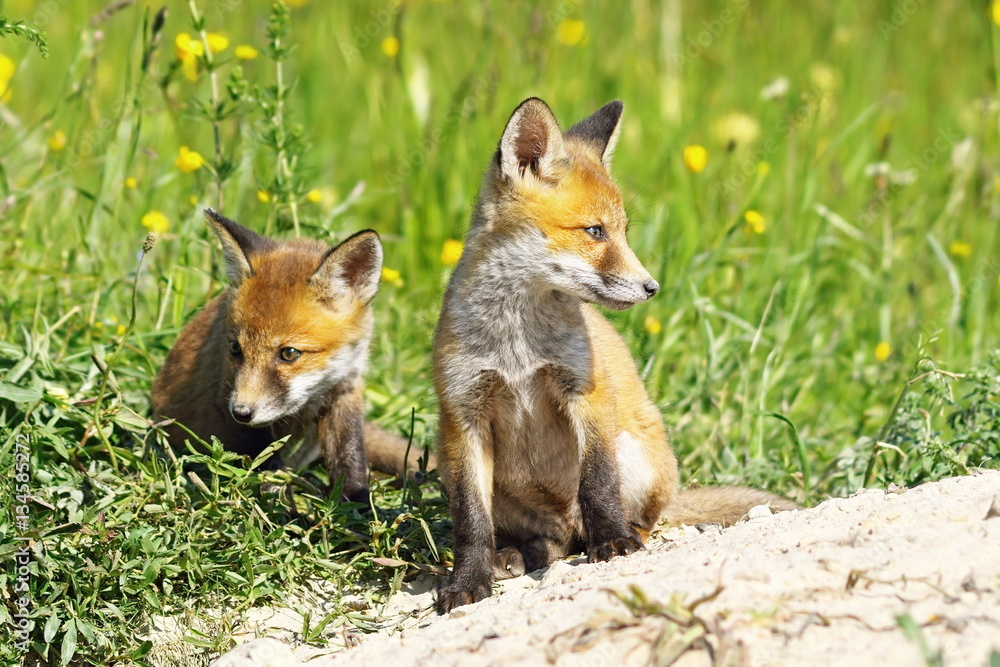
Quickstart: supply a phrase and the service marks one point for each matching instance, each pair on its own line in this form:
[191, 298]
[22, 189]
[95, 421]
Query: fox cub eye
[597, 231]
[290, 354]
[235, 349]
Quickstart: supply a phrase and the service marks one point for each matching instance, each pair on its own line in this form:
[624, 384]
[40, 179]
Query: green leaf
[51, 627]
[68, 643]
[17, 394]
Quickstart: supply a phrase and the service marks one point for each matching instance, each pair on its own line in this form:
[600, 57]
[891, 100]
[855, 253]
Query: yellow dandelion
[193, 200]
[314, 196]
[390, 46]
[131, 183]
[995, 12]
[960, 249]
[882, 351]
[755, 222]
[736, 128]
[57, 141]
[156, 222]
[120, 330]
[451, 252]
[246, 52]
[824, 77]
[263, 197]
[652, 325]
[571, 32]
[217, 43]
[695, 158]
[189, 160]
[392, 276]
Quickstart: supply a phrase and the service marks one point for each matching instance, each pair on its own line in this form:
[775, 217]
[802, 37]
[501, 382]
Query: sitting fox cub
[282, 351]
[549, 442]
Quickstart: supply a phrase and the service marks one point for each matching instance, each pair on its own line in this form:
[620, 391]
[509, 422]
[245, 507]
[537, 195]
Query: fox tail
[387, 454]
[724, 505]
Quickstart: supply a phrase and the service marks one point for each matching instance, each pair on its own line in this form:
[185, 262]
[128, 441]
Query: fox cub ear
[600, 130]
[353, 267]
[238, 244]
[532, 141]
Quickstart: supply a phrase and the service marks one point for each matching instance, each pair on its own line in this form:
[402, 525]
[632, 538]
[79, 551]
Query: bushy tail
[387, 453]
[720, 504]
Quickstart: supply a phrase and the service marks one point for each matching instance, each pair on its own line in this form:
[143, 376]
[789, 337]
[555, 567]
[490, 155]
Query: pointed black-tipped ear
[238, 244]
[600, 130]
[353, 267]
[531, 142]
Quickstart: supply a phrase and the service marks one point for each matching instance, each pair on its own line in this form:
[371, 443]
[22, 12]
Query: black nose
[242, 413]
[651, 287]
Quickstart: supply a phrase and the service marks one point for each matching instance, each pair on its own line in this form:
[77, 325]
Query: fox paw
[508, 563]
[456, 594]
[617, 546]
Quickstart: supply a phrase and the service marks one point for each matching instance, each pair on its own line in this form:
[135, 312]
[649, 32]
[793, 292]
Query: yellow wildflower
[217, 43]
[57, 141]
[737, 129]
[189, 160]
[960, 249]
[763, 167]
[57, 392]
[156, 222]
[451, 251]
[186, 46]
[246, 52]
[131, 183]
[392, 276]
[390, 46]
[314, 196]
[188, 49]
[652, 325]
[882, 351]
[695, 158]
[193, 200]
[120, 330]
[7, 69]
[263, 197]
[995, 11]
[571, 32]
[755, 222]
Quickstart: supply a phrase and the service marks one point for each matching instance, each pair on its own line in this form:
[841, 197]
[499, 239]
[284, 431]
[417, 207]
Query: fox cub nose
[651, 287]
[242, 413]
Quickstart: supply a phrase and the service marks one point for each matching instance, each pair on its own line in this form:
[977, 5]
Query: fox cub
[548, 441]
[282, 352]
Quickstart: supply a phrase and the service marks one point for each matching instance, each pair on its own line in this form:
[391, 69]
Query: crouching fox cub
[549, 442]
[282, 352]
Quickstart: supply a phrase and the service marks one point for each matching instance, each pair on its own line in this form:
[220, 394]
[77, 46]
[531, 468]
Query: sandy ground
[823, 586]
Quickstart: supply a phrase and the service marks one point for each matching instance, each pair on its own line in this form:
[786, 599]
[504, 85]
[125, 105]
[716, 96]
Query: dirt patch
[888, 577]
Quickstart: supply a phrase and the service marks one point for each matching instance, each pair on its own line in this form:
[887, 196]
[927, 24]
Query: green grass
[760, 348]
